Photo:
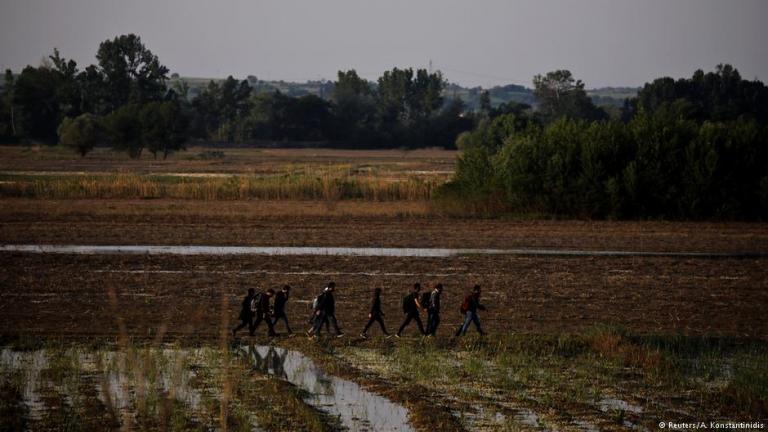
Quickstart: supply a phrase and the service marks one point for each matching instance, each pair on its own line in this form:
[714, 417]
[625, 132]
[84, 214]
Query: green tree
[559, 94]
[164, 127]
[125, 130]
[36, 105]
[131, 72]
[81, 133]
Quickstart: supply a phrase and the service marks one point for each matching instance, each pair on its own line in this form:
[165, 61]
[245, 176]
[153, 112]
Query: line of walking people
[257, 308]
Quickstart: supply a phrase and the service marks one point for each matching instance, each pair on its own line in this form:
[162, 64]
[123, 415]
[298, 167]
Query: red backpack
[465, 304]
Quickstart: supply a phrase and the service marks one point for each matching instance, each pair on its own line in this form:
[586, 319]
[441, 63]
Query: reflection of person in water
[273, 362]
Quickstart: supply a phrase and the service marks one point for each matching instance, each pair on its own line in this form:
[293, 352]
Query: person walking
[246, 314]
[433, 310]
[375, 315]
[469, 308]
[262, 312]
[278, 308]
[411, 308]
[326, 311]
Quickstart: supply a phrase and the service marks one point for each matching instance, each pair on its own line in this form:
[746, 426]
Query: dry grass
[327, 187]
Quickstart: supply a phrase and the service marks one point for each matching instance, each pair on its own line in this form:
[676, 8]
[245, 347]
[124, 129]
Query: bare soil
[69, 295]
[346, 223]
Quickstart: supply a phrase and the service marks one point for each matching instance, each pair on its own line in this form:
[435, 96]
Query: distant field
[143, 342]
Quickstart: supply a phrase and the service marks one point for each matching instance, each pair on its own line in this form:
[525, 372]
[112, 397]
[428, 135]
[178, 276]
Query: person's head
[416, 287]
[286, 288]
[476, 290]
[377, 292]
[331, 285]
[270, 292]
[251, 291]
[439, 287]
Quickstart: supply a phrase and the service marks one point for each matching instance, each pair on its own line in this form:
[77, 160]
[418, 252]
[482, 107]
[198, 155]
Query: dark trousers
[283, 317]
[471, 317]
[244, 322]
[261, 316]
[433, 320]
[412, 316]
[325, 318]
[373, 319]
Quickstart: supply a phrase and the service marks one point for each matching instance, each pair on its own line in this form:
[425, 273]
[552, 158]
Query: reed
[329, 186]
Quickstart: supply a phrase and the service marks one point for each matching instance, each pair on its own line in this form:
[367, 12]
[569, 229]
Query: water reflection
[356, 408]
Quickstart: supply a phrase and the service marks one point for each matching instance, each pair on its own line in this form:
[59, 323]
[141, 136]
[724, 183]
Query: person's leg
[255, 323]
[332, 319]
[407, 320]
[476, 320]
[270, 327]
[381, 324]
[371, 320]
[435, 323]
[287, 325]
[318, 325]
[417, 318]
[463, 327]
[243, 324]
[430, 321]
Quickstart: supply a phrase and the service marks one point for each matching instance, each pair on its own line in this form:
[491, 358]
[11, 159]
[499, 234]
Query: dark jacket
[245, 312]
[413, 307]
[327, 303]
[281, 298]
[263, 306]
[376, 306]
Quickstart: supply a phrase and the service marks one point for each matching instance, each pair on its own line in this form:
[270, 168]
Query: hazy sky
[482, 42]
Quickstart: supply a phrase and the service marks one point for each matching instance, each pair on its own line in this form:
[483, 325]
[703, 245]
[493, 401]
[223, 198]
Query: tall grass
[330, 186]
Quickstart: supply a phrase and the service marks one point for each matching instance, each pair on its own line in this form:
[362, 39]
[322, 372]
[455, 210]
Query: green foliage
[81, 133]
[653, 166]
[131, 72]
[163, 127]
[721, 95]
[560, 95]
[125, 129]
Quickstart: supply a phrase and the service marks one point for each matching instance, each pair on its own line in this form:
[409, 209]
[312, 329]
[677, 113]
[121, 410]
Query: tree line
[689, 148]
[127, 101]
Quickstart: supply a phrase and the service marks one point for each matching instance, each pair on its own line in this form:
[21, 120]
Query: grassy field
[141, 342]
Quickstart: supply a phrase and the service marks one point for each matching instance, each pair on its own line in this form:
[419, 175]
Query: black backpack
[407, 303]
[425, 297]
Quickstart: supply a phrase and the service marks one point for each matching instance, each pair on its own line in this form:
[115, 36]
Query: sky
[474, 43]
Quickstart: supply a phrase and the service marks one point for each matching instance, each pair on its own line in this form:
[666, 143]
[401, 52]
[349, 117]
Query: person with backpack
[316, 307]
[469, 308]
[260, 307]
[326, 311]
[278, 308]
[433, 310]
[411, 308]
[375, 315]
[246, 315]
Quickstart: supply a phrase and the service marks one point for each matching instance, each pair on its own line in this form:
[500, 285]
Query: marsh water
[117, 378]
[340, 251]
[356, 408]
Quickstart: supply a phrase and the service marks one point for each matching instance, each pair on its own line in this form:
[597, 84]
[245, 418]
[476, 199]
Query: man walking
[411, 307]
[433, 310]
[246, 314]
[469, 308]
[326, 311]
[375, 315]
[278, 310]
[262, 312]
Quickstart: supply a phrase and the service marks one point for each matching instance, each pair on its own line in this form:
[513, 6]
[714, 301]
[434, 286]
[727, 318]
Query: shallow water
[340, 251]
[356, 408]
